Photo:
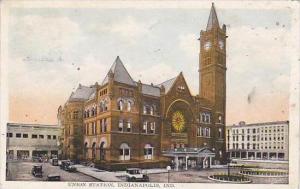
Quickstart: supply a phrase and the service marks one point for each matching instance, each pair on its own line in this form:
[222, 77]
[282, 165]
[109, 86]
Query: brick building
[123, 122]
[263, 141]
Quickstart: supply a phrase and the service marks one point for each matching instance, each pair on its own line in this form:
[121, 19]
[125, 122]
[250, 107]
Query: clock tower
[212, 62]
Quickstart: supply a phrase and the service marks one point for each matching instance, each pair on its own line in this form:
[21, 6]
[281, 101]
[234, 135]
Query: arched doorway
[148, 151]
[85, 150]
[94, 150]
[102, 151]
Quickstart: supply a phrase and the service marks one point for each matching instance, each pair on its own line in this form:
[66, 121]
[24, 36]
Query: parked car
[53, 177]
[54, 162]
[37, 159]
[68, 166]
[37, 171]
[135, 175]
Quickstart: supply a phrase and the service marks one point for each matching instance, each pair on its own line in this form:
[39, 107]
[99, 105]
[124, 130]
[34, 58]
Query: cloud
[43, 35]
[253, 48]
[128, 29]
[281, 83]
[155, 74]
[188, 44]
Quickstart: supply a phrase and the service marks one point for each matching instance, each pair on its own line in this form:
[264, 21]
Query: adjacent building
[123, 122]
[266, 141]
[27, 140]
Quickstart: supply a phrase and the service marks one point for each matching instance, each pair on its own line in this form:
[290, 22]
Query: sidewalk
[98, 174]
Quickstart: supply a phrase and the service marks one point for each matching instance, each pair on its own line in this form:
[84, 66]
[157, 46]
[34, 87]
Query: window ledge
[204, 137]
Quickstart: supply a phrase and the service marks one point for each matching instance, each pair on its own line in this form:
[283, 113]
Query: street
[21, 171]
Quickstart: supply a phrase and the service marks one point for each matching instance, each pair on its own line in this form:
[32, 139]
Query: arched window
[121, 125]
[105, 105]
[120, 105]
[145, 127]
[152, 128]
[94, 150]
[148, 151]
[93, 112]
[220, 133]
[124, 152]
[129, 126]
[129, 104]
[101, 107]
[151, 110]
[203, 117]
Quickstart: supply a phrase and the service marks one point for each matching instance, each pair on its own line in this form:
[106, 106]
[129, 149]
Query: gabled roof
[150, 90]
[120, 74]
[82, 93]
[168, 84]
[213, 18]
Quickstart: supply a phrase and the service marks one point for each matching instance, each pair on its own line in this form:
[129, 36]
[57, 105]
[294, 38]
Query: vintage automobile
[37, 171]
[53, 177]
[135, 175]
[37, 159]
[54, 162]
[68, 166]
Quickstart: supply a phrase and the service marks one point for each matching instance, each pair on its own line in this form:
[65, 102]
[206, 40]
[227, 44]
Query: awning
[190, 152]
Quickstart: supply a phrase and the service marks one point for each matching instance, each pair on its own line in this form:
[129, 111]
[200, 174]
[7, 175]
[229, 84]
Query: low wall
[264, 163]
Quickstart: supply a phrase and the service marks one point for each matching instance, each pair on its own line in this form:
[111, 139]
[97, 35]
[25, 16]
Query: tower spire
[213, 18]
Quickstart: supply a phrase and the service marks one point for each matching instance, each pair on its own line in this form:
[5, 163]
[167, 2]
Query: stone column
[210, 160]
[176, 163]
[255, 155]
[186, 162]
[246, 155]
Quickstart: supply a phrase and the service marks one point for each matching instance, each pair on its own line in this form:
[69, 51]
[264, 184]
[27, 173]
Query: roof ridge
[167, 80]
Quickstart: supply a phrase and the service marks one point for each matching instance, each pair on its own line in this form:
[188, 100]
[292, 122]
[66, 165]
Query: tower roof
[213, 18]
[82, 93]
[120, 74]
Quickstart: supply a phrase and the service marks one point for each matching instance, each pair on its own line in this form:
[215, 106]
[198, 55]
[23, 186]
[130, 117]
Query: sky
[52, 50]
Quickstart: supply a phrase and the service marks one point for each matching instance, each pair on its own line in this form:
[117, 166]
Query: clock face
[178, 121]
[207, 45]
[221, 44]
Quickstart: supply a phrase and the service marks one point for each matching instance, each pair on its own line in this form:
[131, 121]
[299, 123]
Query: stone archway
[178, 125]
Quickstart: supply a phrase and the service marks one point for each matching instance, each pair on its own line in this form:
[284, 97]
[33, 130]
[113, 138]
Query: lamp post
[168, 169]
[228, 169]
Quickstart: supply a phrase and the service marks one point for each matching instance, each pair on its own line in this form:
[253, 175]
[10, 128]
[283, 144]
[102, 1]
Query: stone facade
[126, 121]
